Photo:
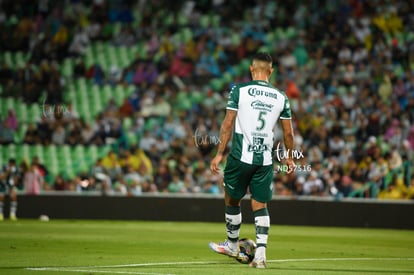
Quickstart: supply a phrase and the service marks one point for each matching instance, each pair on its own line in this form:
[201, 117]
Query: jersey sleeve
[286, 113]
[233, 101]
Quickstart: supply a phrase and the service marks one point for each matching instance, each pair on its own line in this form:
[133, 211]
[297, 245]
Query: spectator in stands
[126, 109]
[74, 136]
[44, 129]
[115, 133]
[100, 176]
[134, 181]
[80, 68]
[31, 136]
[41, 168]
[111, 164]
[59, 135]
[336, 145]
[11, 120]
[96, 73]
[6, 74]
[395, 190]
[60, 184]
[69, 113]
[161, 107]
[114, 75]
[176, 185]
[182, 67]
[125, 37]
[87, 133]
[313, 185]
[6, 133]
[357, 74]
[12, 89]
[147, 141]
[211, 188]
[162, 176]
[79, 43]
[33, 180]
[385, 89]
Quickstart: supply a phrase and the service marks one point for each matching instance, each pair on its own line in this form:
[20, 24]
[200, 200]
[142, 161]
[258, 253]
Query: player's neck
[260, 77]
[265, 79]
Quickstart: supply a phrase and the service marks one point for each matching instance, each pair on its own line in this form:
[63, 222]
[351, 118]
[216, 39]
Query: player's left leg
[13, 204]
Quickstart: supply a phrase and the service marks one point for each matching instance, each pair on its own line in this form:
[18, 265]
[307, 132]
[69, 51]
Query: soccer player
[253, 108]
[9, 176]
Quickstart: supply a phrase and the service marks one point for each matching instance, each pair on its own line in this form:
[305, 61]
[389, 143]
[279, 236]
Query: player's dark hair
[262, 56]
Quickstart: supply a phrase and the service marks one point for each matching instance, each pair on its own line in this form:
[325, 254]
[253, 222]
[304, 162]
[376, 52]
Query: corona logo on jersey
[256, 92]
[258, 146]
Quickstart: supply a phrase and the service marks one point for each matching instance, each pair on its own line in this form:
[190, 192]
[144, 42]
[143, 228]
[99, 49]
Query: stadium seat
[132, 138]
[182, 20]
[21, 131]
[93, 151]
[227, 77]
[116, 28]
[25, 151]
[21, 113]
[235, 38]
[127, 123]
[290, 32]
[215, 20]
[8, 59]
[78, 152]
[123, 59]
[204, 21]
[67, 67]
[10, 104]
[217, 84]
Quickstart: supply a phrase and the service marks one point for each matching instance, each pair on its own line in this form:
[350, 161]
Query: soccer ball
[247, 250]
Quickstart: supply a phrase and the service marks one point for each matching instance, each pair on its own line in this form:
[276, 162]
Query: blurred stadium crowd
[145, 83]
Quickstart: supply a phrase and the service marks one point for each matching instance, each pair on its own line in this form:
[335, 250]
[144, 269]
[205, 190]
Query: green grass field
[136, 247]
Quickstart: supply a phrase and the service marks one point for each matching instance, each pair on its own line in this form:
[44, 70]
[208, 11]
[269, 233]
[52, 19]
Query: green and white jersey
[259, 106]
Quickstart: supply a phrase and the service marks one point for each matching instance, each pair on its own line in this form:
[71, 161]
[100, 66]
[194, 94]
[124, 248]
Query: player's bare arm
[226, 132]
[289, 142]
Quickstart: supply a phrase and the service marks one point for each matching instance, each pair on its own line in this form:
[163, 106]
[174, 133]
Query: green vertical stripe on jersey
[237, 145]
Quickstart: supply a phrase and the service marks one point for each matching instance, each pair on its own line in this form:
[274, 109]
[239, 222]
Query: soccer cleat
[13, 217]
[258, 263]
[225, 249]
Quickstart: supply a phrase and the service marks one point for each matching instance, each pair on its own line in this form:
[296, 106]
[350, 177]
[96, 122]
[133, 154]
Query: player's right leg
[236, 179]
[230, 246]
[227, 248]
[262, 224]
[261, 193]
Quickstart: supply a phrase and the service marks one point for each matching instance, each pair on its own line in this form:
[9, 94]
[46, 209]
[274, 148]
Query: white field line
[157, 264]
[94, 268]
[339, 259]
[75, 269]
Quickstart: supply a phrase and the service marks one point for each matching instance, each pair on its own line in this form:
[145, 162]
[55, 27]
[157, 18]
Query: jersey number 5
[261, 121]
